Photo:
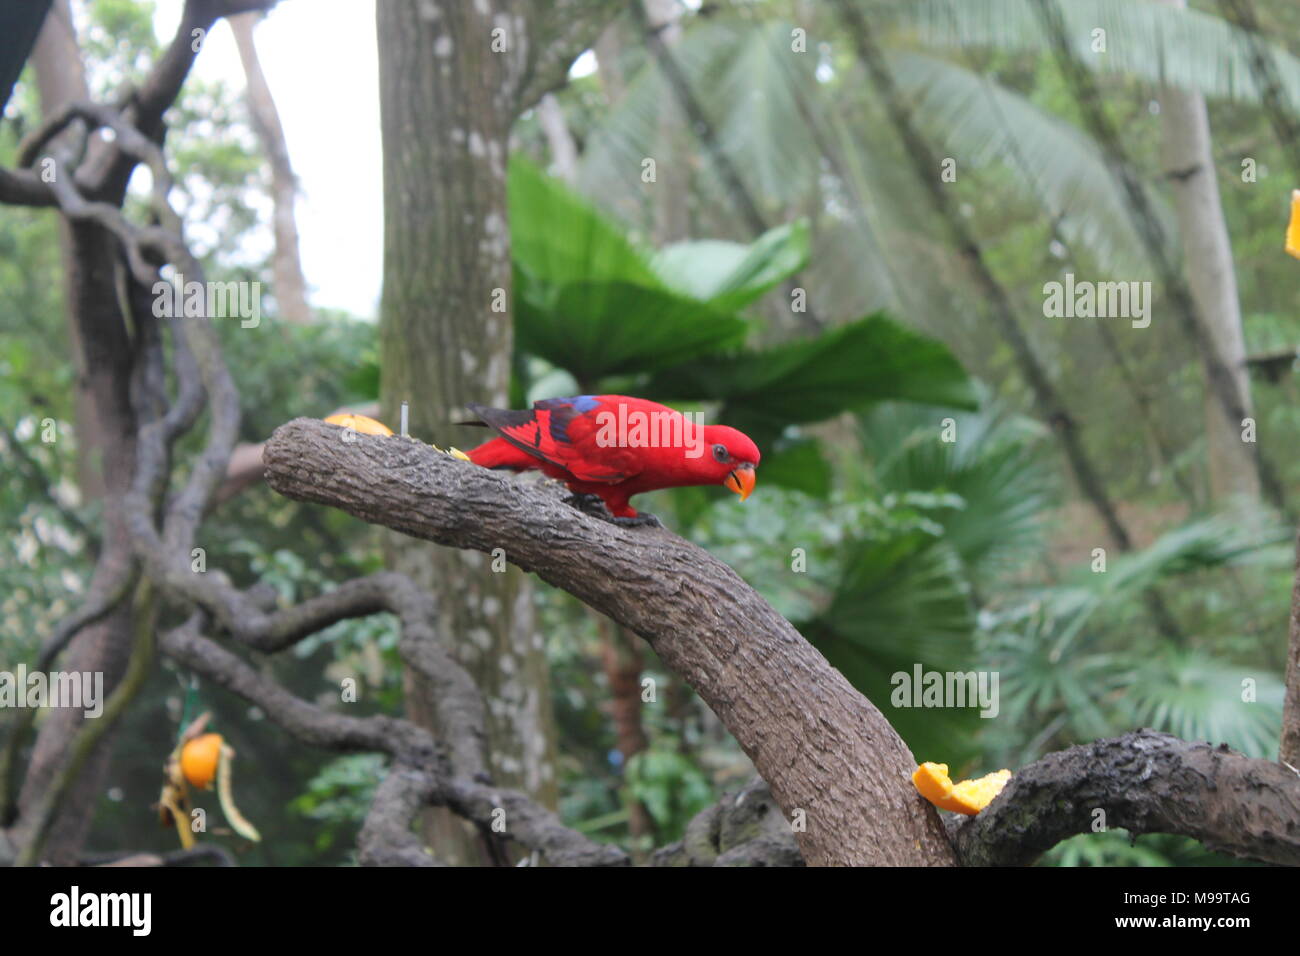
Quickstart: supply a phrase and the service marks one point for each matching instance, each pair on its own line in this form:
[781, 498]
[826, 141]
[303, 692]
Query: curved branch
[1144, 782]
[308, 722]
[824, 749]
[386, 838]
[420, 773]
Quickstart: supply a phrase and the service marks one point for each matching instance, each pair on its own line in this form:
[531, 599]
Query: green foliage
[1154, 41]
[730, 275]
[995, 464]
[337, 798]
[1082, 661]
[871, 360]
[598, 329]
[670, 785]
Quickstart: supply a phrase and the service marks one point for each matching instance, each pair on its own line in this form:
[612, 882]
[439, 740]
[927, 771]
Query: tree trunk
[446, 339]
[621, 659]
[609, 50]
[671, 216]
[105, 433]
[1207, 255]
[290, 285]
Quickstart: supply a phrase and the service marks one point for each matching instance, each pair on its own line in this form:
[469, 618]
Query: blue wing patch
[563, 411]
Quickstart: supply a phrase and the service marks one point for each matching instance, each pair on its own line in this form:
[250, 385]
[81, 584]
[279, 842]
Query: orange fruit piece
[360, 423]
[199, 760]
[969, 797]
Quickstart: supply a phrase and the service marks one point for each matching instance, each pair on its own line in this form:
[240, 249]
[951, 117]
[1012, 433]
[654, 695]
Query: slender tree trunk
[609, 49]
[671, 215]
[564, 153]
[1207, 254]
[446, 339]
[290, 285]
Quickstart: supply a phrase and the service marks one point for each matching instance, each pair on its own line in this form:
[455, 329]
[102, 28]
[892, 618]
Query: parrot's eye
[720, 452]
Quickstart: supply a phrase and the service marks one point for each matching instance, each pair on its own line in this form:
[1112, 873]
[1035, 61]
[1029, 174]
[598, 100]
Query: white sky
[320, 61]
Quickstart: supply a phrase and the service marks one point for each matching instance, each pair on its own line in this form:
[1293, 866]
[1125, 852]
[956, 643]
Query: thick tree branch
[1143, 782]
[386, 837]
[823, 748]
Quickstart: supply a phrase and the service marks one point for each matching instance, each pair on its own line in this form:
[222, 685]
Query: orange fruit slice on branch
[968, 797]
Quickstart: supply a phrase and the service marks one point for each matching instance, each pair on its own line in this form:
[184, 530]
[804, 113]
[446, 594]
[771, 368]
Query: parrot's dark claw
[594, 505]
[645, 519]
[590, 504]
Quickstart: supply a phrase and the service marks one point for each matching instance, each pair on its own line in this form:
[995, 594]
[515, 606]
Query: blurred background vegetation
[976, 554]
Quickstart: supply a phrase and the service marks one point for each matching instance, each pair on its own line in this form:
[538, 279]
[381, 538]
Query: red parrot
[613, 447]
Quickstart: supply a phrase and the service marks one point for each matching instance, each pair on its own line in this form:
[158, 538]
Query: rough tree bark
[453, 79]
[286, 265]
[1211, 275]
[1232, 804]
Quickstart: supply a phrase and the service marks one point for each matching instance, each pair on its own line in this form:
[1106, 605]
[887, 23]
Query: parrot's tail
[499, 453]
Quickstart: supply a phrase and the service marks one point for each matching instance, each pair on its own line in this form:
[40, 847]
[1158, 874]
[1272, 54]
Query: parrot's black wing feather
[512, 424]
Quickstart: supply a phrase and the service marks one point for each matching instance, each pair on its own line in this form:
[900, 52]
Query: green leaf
[1156, 42]
[598, 328]
[363, 380]
[871, 360]
[799, 465]
[731, 275]
[1196, 696]
[996, 466]
[557, 236]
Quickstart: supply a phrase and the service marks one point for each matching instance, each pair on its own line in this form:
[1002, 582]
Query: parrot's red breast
[615, 447]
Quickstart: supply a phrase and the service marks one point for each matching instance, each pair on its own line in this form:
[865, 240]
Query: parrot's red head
[729, 459]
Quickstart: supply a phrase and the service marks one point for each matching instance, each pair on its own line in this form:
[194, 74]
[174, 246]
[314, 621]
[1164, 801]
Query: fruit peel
[968, 797]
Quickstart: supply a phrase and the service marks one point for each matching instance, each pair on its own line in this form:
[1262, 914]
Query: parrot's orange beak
[741, 481]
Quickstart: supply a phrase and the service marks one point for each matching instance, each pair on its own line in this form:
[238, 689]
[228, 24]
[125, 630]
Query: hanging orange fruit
[200, 758]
